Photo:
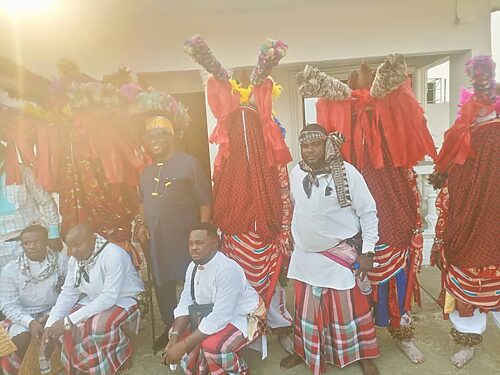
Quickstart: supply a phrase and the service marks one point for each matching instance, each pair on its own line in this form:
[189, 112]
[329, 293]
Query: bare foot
[291, 361]
[368, 367]
[460, 358]
[411, 351]
[286, 342]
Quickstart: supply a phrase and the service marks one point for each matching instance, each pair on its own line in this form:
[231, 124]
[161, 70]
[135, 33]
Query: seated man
[234, 313]
[29, 286]
[94, 340]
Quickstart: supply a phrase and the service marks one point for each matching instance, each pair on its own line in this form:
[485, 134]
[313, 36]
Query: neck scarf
[24, 266]
[334, 165]
[86, 265]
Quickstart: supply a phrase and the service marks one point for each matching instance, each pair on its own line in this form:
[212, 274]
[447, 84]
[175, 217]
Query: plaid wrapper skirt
[218, 354]
[333, 326]
[99, 346]
[10, 363]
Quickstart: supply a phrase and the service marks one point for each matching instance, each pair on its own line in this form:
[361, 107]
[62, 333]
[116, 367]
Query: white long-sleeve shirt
[20, 303]
[319, 223]
[113, 281]
[223, 283]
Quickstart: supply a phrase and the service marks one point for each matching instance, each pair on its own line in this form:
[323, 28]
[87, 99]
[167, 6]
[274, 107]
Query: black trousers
[166, 297]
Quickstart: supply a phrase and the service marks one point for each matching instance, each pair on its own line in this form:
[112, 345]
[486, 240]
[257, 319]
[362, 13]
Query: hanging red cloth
[20, 139]
[405, 127]
[222, 101]
[277, 152]
[335, 115]
[86, 196]
[457, 139]
[49, 154]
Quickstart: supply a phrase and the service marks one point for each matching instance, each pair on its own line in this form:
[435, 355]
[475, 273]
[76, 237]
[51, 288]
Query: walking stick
[145, 251]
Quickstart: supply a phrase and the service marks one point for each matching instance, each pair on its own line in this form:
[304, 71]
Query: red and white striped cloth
[261, 261]
[390, 260]
[467, 286]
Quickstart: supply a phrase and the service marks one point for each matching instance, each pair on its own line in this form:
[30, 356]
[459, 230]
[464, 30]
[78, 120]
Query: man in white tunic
[29, 286]
[231, 311]
[333, 212]
[94, 340]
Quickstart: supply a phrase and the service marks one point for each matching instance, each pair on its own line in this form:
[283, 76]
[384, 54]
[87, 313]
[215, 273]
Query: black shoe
[160, 342]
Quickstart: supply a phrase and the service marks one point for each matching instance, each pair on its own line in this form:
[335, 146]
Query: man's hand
[438, 262]
[174, 353]
[365, 265]
[54, 331]
[174, 339]
[55, 244]
[143, 234]
[36, 329]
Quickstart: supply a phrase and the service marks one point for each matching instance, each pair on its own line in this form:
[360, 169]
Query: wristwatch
[173, 333]
[67, 324]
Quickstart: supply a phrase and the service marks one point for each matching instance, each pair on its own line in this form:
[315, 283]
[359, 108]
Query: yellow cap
[159, 122]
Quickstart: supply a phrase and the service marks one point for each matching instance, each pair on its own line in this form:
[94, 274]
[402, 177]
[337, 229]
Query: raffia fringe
[466, 339]
[390, 75]
[402, 333]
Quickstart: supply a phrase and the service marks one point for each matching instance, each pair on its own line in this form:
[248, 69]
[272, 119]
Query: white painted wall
[438, 121]
[149, 35]
[495, 38]
[438, 115]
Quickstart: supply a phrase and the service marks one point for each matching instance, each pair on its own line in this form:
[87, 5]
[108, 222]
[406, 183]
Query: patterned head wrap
[334, 164]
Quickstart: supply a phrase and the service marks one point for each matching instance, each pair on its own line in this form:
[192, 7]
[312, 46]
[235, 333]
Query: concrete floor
[432, 338]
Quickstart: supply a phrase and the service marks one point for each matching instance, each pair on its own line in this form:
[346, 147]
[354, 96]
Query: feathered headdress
[480, 101]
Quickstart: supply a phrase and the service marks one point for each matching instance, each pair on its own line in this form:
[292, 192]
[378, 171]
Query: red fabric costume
[386, 138]
[468, 229]
[251, 199]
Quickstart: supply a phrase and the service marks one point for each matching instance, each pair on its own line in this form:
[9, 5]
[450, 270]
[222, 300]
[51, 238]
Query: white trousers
[473, 324]
[277, 314]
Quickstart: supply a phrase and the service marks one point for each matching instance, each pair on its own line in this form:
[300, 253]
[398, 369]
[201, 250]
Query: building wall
[149, 36]
[438, 121]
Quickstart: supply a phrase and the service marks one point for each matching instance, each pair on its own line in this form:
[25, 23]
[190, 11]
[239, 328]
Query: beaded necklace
[157, 181]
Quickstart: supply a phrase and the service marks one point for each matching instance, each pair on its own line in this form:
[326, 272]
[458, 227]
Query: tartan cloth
[11, 363]
[333, 326]
[218, 353]
[100, 345]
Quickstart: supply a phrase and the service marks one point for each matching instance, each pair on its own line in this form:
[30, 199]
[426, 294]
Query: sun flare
[26, 6]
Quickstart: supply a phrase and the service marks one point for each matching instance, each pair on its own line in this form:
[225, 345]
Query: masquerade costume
[251, 205]
[468, 229]
[386, 136]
